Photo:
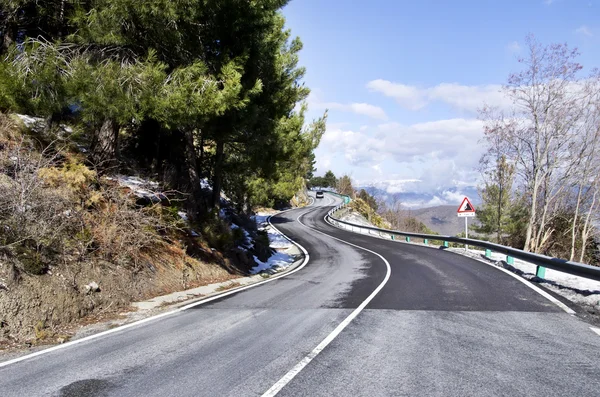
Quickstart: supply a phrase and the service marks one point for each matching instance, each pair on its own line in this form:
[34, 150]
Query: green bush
[261, 249]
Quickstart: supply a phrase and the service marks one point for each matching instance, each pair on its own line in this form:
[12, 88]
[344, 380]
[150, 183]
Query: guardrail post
[488, 253]
[540, 272]
[510, 260]
[425, 241]
[445, 244]
[407, 239]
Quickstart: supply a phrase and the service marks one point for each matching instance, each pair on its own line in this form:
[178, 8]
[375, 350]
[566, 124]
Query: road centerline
[291, 374]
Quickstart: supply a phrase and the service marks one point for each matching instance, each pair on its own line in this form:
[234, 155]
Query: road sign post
[466, 210]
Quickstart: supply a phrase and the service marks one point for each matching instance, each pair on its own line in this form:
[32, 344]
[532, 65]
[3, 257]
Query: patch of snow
[38, 123]
[139, 186]
[261, 220]
[223, 214]
[279, 259]
[204, 184]
[247, 238]
[183, 215]
[277, 240]
[30, 121]
[355, 218]
[248, 243]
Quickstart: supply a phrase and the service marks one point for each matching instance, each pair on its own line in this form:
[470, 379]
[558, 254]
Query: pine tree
[495, 214]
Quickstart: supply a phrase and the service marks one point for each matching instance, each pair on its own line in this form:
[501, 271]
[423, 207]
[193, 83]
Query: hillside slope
[442, 219]
[76, 246]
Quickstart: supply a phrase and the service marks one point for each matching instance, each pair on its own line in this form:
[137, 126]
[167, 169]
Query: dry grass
[228, 286]
[62, 227]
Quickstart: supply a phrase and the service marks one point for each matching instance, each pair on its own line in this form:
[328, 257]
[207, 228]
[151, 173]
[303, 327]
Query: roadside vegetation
[541, 171]
[201, 101]
[374, 210]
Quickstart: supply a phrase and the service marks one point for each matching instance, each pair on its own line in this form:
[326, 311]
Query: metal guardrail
[562, 265]
[346, 198]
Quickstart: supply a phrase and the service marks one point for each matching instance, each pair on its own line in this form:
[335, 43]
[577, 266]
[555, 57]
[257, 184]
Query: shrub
[37, 221]
[51, 209]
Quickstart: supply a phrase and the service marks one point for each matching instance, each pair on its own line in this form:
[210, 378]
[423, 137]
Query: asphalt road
[440, 324]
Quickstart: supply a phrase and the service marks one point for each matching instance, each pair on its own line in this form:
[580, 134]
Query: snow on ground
[577, 289]
[183, 215]
[277, 241]
[31, 122]
[36, 123]
[356, 218]
[204, 184]
[277, 262]
[140, 187]
[247, 238]
[281, 259]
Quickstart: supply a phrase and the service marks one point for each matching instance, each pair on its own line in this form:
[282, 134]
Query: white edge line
[152, 318]
[516, 276]
[291, 374]
[596, 330]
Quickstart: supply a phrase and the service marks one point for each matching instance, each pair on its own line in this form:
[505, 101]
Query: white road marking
[276, 388]
[596, 330]
[158, 316]
[516, 276]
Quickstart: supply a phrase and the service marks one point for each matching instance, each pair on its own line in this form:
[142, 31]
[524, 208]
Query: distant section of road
[442, 325]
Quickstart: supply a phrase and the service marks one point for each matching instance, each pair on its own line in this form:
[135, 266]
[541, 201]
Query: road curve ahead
[395, 320]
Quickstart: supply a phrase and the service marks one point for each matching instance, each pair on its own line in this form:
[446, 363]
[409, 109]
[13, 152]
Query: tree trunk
[218, 175]
[195, 200]
[532, 217]
[105, 145]
[585, 233]
[574, 223]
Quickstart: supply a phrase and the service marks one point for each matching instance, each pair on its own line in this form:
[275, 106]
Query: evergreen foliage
[189, 89]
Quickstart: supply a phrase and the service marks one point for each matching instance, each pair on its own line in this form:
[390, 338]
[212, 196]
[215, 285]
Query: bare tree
[344, 186]
[587, 182]
[538, 135]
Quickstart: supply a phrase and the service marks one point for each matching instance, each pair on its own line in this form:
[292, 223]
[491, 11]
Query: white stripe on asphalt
[158, 316]
[276, 388]
[516, 276]
[596, 330]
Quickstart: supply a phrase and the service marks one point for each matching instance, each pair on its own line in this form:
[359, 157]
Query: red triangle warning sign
[466, 207]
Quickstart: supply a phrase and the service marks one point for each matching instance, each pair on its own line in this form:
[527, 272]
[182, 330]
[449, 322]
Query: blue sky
[403, 80]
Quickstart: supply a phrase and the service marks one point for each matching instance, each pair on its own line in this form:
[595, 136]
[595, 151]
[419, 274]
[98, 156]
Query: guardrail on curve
[575, 268]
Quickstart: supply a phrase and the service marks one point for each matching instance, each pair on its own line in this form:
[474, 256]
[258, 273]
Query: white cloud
[390, 186]
[452, 197]
[461, 97]
[429, 156]
[407, 96]
[368, 110]
[364, 109]
[584, 30]
[514, 47]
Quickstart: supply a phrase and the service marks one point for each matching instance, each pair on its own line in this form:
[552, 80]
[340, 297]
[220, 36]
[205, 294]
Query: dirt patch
[49, 308]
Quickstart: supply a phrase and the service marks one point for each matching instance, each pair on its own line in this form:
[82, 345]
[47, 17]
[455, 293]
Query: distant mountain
[442, 219]
[409, 199]
[436, 209]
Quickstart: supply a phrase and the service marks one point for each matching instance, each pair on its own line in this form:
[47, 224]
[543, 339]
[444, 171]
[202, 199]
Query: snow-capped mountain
[403, 192]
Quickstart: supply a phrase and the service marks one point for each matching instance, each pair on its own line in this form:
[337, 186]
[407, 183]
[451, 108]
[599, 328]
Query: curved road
[427, 322]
